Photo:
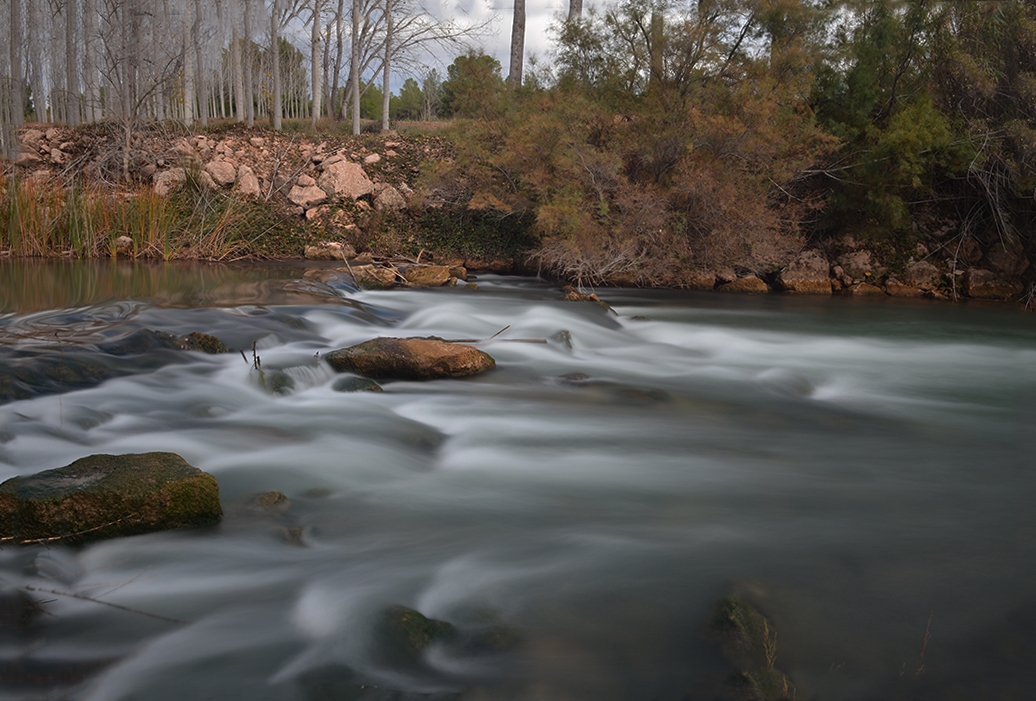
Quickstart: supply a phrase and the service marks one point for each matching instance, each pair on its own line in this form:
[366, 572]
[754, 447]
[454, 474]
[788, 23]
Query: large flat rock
[410, 359]
[108, 496]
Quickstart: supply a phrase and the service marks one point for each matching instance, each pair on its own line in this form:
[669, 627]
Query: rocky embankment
[345, 192]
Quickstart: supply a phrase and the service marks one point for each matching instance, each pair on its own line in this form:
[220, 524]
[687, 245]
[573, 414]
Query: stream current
[864, 472]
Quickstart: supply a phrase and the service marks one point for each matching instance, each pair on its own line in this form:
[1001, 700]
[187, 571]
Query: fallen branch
[493, 337]
[83, 597]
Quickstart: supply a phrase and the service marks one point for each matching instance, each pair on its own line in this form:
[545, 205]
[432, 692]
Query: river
[862, 471]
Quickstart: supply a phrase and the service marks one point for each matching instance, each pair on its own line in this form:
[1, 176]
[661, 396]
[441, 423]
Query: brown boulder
[701, 280]
[750, 284]
[329, 250]
[857, 264]
[410, 359]
[373, 277]
[108, 496]
[865, 289]
[427, 275]
[344, 179]
[985, 284]
[808, 274]
[896, 288]
[921, 274]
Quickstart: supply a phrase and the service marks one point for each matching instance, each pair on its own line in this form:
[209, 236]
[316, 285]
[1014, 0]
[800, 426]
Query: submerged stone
[205, 343]
[108, 496]
[356, 384]
[748, 642]
[406, 634]
[410, 359]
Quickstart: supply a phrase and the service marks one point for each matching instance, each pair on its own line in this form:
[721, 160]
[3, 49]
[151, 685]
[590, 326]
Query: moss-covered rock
[205, 343]
[406, 634]
[108, 496]
[410, 359]
[748, 642]
[356, 384]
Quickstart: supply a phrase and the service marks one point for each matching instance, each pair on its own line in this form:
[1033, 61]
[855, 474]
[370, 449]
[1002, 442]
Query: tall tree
[90, 83]
[317, 74]
[17, 88]
[354, 70]
[514, 77]
[575, 9]
[386, 87]
[34, 35]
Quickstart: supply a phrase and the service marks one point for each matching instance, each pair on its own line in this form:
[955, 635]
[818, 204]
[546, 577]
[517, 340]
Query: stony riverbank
[368, 201]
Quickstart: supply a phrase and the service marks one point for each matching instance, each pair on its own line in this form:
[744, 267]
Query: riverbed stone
[374, 277]
[895, 288]
[206, 343]
[427, 275]
[329, 250]
[808, 274]
[986, 284]
[865, 289]
[406, 634]
[749, 284]
[748, 643]
[389, 199]
[922, 274]
[410, 359]
[356, 384]
[108, 496]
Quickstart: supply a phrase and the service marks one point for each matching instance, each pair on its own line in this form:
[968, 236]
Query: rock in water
[410, 359]
[108, 496]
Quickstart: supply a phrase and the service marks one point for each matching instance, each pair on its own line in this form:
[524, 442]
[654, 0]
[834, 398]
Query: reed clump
[85, 220]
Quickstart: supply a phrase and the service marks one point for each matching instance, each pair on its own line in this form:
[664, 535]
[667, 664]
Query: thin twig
[65, 536]
[924, 644]
[83, 597]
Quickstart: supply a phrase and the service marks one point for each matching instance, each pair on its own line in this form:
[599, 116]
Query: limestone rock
[865, 289]
[389, 199]
[374, 277]
[329, 250]
[58, 156]
[305, 181]
[701, 280]
[857, 264]
[921, 274]
[206, 181]
[895, 288]
[257, 141]
[223, 173]
[427, 275]
[985, 284]
[344, 179]
[1007, 259]
[247, 183]
[410, 359]
[32, 137]
[108, 496]
[307, 197]
[750, 284]
[372, 158]
[808, 274]
[27, 158]
[167, 181]
[123, 246]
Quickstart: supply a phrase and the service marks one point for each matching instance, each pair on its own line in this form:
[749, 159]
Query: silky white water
[861, 471]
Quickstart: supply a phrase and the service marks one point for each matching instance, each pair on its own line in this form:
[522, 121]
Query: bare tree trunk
[386, 94]
[354, 70]
[203, 91]
[249, 86]
[33, 34]
[235, 59]
[188, 66]
[338, 58]
[17, 96]
[90, 84]
[325, 62]
[71, 79]
[275, 58]
[317, 69]
[514, 77]
[575, 9]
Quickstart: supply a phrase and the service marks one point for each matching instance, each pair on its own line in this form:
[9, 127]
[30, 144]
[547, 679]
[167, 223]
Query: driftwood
[493, 338]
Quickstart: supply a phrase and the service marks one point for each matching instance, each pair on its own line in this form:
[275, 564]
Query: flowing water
[862, 471]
